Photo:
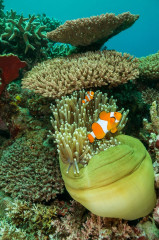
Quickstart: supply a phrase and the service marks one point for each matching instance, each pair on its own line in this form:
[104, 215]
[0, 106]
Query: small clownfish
[107, 122]
[88, 97]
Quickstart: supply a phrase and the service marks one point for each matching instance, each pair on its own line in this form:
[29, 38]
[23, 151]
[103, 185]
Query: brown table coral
[57, 77]
[85, 31]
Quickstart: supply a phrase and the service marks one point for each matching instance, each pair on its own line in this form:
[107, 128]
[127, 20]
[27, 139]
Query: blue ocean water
[139, 40]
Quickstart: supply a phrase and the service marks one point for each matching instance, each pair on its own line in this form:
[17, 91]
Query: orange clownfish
[88, 97]
[107, 122]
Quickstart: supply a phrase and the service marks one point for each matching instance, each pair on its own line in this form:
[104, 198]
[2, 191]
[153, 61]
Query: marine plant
[102, 176]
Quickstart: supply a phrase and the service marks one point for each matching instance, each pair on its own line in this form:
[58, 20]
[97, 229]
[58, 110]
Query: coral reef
[33, 216]
[9, 69]
[34, 204]
[86, 31]
[21, 36]
[37, 221]
[75, 226]
[19, 28]
[1, 9]
[149, 67]
[150, 132]
[87, 168]
[32, 170]
[58, 77]
[149, 95]
[71, 131]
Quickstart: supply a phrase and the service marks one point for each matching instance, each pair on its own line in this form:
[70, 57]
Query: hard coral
[85, 31]
[29, 170]
[60, 76]
[149, 67]
[9, 67]
[23, 29]
[1, 9]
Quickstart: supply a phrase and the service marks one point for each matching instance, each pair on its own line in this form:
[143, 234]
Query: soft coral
[9, 66]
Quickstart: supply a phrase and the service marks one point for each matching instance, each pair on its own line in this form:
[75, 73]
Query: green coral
[149, 67]
[1, 9]
[24, 29]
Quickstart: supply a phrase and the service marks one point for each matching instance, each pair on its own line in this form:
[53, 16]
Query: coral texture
[58, 77]
[85, 31]
[149, 95]
[72, 121]
[149, 67]
[29, 170]
[150, 134]
[9, 69]
[24, 29]
[1, 9]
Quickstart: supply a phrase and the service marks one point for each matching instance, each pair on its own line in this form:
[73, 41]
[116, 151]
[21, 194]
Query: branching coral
[8, 231]
[72, 121]
[29, 170]
[150, 134]
[94, 227]
[149, 67]
[85, 31]
[58, 77]
[36, 217]
[1, 9]
[149, 95]
[25, 29]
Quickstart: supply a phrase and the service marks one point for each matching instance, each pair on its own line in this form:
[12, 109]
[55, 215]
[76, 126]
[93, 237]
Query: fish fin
[98, 131]
[90, 138]
[112, 120]
[103, 116]
[114, 130]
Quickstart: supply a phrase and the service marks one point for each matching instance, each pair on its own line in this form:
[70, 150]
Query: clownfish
[88, 97]
[107, 122]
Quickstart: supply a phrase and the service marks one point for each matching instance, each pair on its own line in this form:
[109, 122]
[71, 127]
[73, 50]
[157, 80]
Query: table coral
[60, 76]
[29, 170]
[85, 31]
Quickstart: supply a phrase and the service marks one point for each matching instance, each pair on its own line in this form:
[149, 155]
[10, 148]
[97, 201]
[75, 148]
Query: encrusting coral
[149, 67]
[106, 178]
[85, 31]
[60, 76]
[29, 170]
